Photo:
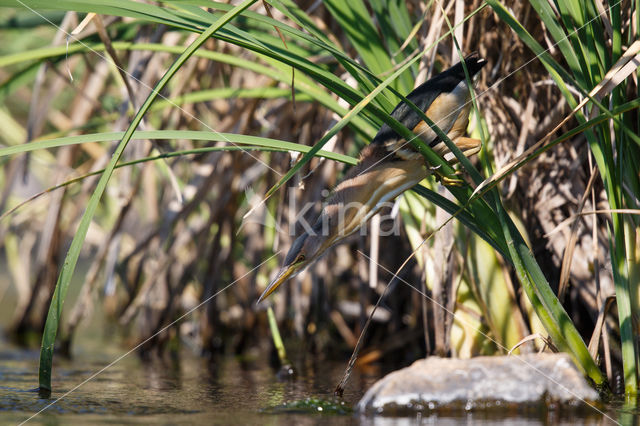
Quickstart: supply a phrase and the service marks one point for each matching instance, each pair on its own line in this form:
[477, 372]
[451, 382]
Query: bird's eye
[300, 258]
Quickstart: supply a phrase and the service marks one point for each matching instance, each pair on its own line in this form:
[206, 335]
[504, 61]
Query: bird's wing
[423, 97]
[433, 98]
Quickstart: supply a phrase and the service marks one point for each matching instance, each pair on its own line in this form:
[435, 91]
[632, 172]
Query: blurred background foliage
[185, 219]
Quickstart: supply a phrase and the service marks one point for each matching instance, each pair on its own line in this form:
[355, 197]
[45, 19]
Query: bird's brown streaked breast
[368, 192]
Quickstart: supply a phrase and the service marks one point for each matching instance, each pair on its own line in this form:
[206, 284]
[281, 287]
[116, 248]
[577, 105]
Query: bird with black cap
[389, 165]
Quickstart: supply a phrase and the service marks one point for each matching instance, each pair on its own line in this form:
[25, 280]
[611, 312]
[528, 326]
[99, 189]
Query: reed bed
[166, 149]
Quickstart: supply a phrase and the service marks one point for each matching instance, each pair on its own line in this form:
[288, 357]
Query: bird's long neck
[378, 178]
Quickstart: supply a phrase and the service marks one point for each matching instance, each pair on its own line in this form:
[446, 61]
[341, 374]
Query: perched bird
[388, 166]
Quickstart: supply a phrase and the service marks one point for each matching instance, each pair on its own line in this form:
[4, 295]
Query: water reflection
[229, 391]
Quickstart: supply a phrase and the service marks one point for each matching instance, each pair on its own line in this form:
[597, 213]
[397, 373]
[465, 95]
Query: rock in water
[483, 382]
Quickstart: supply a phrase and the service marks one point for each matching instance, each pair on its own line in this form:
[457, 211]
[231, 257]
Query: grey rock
[483, 382]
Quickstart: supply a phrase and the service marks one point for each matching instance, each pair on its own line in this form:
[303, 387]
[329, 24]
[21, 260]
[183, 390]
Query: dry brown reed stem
[170, 253]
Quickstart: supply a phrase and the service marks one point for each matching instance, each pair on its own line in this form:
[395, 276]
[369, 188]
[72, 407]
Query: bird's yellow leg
[469, 147]
[447, 180]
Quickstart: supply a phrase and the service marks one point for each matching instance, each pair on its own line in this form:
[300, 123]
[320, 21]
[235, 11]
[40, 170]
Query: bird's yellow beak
[282, 276]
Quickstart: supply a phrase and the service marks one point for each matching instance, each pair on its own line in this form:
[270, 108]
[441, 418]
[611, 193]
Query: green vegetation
[235, 78]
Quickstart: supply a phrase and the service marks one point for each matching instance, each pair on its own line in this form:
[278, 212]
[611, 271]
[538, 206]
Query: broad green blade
[68, 268]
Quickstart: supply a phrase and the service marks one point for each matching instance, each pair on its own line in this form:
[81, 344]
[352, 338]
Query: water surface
[229, 391]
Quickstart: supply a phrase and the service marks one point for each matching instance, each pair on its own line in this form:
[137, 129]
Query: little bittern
[388, 166]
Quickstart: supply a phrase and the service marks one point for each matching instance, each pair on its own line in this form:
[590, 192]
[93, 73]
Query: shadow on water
[229, 392]
[226, 392]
